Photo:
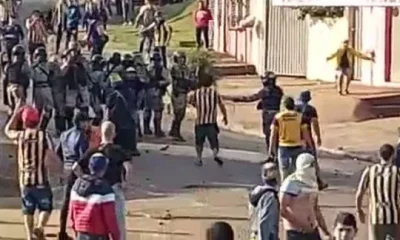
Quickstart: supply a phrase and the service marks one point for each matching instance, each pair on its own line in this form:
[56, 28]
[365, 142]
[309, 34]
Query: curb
[237, 128]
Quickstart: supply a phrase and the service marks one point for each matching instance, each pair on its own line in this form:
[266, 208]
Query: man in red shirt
[92, 204]
[202, 16]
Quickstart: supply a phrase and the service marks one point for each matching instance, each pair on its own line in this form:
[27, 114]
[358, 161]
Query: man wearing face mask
[264, 205]
[159, 81]
[300, 209]
[269, 97]
[16, 78]
[42, 95]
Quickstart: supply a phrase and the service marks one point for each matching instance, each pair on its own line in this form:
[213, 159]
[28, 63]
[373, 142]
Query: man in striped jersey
[37, 34]
[34, 155]
[381, 180]
[205, 100]
[162, 35]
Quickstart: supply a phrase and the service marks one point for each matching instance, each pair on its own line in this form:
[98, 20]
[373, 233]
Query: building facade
[275, 40]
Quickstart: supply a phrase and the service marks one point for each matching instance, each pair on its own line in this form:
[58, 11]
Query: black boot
[172, 131]
[146, 127]
[146, 122]
[178, 136]
[157, 126]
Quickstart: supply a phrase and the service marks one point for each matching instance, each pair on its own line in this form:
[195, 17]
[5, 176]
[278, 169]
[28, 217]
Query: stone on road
[170, 198]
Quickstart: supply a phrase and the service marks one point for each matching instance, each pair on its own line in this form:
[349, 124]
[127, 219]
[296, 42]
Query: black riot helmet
[127, 60]
[115, 59]
[268, 79]
[179, 55]
[97, 62]
[18, 50]
[18, 53]
[40, 54]
[156, 57]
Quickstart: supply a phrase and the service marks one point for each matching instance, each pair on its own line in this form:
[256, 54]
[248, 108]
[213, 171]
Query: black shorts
[35, 197]
[209, 131]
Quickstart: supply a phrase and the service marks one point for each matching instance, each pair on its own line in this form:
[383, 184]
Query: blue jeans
[287, 160]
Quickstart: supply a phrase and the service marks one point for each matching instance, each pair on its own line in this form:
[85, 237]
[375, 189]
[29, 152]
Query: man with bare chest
[299, 202]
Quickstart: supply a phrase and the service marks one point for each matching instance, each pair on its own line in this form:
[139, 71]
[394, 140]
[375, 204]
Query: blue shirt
[73, 145]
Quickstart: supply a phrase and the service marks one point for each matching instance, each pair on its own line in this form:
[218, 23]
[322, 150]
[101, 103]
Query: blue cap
[98, 162]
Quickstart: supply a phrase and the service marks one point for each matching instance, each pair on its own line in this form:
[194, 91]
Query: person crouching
[92, 207]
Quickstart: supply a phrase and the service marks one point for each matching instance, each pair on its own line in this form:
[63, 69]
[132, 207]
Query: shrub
[321, 12]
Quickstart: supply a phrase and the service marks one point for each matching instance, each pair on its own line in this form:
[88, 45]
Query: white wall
[373, 36]
[324, 39]
[258, 41]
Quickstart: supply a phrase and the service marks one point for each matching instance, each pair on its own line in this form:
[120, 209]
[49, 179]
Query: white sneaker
[124, 24]
[130, 23]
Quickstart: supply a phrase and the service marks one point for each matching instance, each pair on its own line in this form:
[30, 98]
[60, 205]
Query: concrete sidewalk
[340, 135]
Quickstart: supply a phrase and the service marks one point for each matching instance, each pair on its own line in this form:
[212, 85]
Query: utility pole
[352, 31]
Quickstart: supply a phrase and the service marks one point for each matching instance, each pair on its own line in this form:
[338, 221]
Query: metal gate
[287, 41]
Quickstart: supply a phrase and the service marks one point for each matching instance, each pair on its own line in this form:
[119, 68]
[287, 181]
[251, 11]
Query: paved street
[168, 180]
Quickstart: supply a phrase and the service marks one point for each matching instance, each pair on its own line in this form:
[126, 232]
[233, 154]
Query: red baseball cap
[30, 116]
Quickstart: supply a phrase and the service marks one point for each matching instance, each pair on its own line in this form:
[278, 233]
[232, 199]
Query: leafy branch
[320, 12]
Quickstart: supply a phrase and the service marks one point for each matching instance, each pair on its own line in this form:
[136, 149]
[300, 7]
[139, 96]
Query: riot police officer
[181, 85]
[140, 67]
[113, 68]
[58, 88]
[76, 77]
[41, 77]
[159, 81]
[16, 78]
[270, 97]
[97, 85]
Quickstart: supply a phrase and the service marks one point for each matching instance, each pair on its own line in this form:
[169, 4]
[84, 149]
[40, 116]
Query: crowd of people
[95, 153]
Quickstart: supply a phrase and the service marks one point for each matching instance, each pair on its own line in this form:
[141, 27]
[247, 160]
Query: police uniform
[58, 89]
[16, 78]
[159, 80]
[77, 92]
[269, 97]
[181, 85]
[42, 94]
[140, 67]
[97, 85]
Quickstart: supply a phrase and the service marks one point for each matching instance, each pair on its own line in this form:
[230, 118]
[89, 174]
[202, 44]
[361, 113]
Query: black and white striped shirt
[32, 147]
[382, 182]
[205, 100]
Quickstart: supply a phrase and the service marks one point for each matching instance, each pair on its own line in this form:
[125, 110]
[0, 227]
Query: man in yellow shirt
[344, 57]
[290, 133]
